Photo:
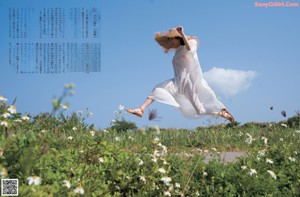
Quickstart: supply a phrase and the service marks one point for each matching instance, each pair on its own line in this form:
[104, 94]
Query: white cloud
[228, 82]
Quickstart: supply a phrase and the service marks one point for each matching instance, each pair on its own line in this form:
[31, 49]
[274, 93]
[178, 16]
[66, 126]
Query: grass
[64, 156]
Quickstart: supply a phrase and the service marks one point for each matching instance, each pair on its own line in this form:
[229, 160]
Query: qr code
[9, 187]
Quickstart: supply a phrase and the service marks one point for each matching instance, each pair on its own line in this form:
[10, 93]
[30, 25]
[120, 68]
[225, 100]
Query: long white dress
[188, 90]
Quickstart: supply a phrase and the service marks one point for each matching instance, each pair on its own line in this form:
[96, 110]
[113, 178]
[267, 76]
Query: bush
[294, 121]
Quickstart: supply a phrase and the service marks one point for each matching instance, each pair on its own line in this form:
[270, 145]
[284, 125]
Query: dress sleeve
[193, 44]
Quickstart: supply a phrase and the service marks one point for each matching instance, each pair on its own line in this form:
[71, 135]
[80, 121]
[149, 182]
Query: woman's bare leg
[140, 111]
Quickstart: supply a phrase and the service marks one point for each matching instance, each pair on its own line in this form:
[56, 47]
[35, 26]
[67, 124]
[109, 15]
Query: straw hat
[162, 38]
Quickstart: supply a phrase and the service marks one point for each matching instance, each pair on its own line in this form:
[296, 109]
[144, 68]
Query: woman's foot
[225, 114]
[138, 112]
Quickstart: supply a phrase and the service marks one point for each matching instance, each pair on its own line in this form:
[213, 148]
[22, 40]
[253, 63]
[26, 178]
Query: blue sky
[250, 56]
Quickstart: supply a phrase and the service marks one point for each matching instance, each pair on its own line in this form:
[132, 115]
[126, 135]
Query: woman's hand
[180, 30]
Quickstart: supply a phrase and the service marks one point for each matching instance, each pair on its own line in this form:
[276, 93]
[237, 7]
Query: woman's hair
[181, 40]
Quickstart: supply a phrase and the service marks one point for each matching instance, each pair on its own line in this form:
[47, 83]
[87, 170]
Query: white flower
[273, 175]
[117, 139]
[74, 128]
[292, 159]
[4, 123]
[101, 160]
[25, 118]
[281, 139]
[6, 115]
[3, 173]
[154, 159]
[167, 193]
[18, 120]
[1, 151]
[269, 161]
[166, 180]
[34, 180]
[261, 153]
[214, 149]
[12, 109]
[70, 138]
[197, 193]
[297, 131]
[43, 131]
[243, 167]
[177, 185]
[113, 120]
[156, 153]
[156, 140]
[283, 125]
[67, 183]
[252, 171]
[79, 190]
[130, 138]
[265, 140]
[121, 107]
[105, 131]
[92, 133]
[81, 151]
[2, 98]
[204, 174]
[64, 106]
[249, 139]
[141, 163]
[162, 170]
[142, 178]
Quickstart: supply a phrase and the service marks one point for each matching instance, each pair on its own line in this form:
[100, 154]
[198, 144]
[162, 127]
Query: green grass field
[54, 155]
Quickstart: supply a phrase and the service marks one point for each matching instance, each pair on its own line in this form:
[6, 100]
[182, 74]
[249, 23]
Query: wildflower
[167, 193]
[156, 153]
[204, 174]
[297, 131]
[177, 185]
[43, 131]
[273, 175]
[67, 184]
[281, 139]
[265, 140]
[243, 167]
[249, 139]
[101, 160]
[34, 180]
[121, 107]
[25, 118]
[79, 190]
[269, 161]
[1, 151]
[166, 180]
[74, 128]
[117, 139]
[18, 120]
[205, 151]
[130, 138]
[6, 115]
[141, 163]
[69, 86]
[162, 170]
[142, 178]
[292, 159]
[164, 161]
[154, 159]
[70, 138]
[4, 123]
[214, 149]
[252, 171]
[261, 153]
[283, 125]
[3, 99]
[64, 106]
[197, 193]
[92, 133]
[283, 113]
[156, 140]
[105, 131]
[81, 151]
[12, 109]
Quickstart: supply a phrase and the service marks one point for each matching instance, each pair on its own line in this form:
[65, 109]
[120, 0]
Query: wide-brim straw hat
[162, 38]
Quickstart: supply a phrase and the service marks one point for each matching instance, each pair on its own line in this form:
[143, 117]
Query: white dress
[188, 90]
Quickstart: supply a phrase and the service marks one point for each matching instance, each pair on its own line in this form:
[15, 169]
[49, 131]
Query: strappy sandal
[225, 113]
[134, 112]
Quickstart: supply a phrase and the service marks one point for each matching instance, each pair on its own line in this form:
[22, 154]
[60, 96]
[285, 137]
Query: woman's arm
[180, 31]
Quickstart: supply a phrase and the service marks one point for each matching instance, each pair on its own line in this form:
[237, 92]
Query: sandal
[225, 113]
[135, 112]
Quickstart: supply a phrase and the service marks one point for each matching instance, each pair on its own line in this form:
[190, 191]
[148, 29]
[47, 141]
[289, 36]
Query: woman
[188, 90]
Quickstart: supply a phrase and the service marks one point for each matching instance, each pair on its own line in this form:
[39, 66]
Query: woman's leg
[140, 111]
